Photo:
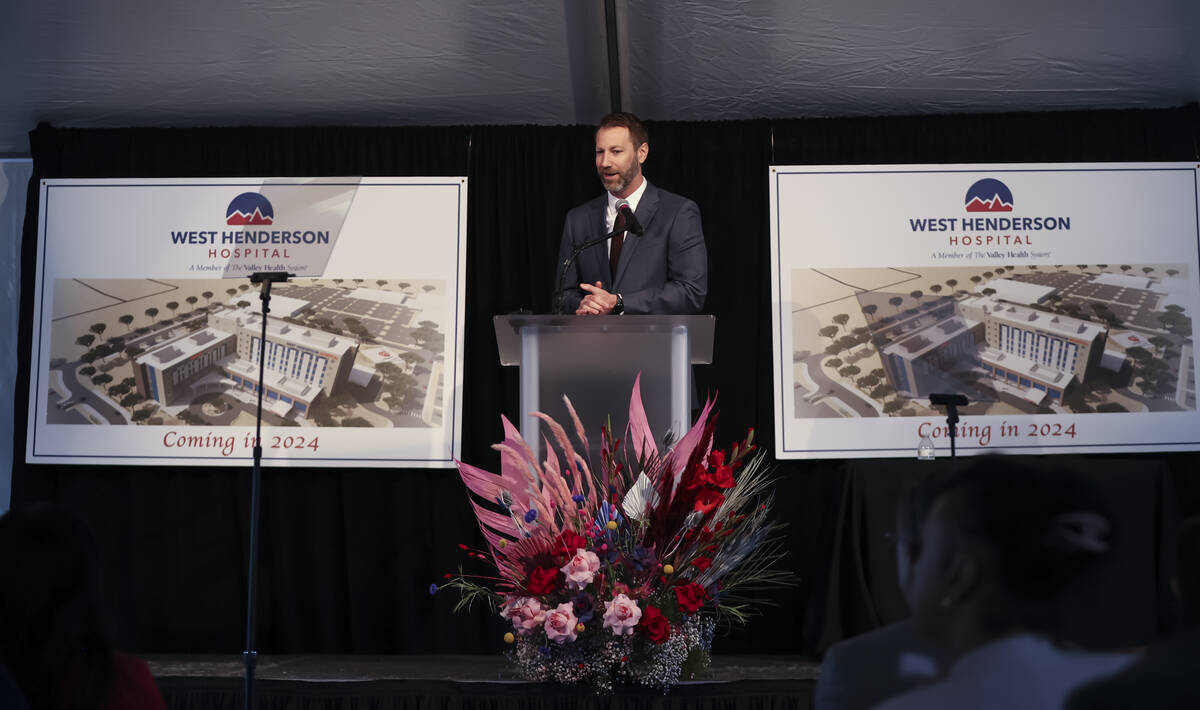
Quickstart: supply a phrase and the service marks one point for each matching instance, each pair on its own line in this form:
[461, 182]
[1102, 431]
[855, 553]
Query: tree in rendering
[102, 379]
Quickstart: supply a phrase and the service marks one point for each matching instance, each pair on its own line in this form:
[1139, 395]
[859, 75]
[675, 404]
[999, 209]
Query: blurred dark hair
[914, 505]
[1043, 525]
[53, 636]
[626, 120]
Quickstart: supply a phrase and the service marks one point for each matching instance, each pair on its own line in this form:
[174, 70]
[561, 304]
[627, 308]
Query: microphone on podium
[631, 223]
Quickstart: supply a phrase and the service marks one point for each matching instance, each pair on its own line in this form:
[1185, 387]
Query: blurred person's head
[52, 632]
[911, 511]
[1004, 537]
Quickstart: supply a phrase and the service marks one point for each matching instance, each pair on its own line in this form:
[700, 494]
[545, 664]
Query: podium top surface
[699, 328]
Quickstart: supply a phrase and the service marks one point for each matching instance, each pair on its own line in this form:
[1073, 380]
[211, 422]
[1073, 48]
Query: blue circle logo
[989, 195]
[249, 208]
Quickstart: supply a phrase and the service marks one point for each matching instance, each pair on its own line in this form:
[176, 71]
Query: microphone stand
[250, 656]
[951, 402]
[560, 293]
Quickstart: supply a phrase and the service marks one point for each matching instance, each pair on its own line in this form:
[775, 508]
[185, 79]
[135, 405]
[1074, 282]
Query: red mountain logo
[993, 205]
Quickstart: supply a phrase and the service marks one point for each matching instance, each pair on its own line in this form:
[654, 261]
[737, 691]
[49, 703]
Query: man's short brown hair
[626, 120]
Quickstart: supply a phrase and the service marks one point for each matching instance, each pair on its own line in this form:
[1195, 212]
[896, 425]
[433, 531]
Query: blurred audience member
[11, 697]
[1168, 676]
[53, 637]
[1004, 537]
[863, 671]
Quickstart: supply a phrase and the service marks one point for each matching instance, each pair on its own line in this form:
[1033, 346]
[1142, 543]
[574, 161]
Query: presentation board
[1059, 298]
[147, 330]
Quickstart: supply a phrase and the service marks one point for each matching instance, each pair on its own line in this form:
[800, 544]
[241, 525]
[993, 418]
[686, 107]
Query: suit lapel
[647, 207]
[599, 253]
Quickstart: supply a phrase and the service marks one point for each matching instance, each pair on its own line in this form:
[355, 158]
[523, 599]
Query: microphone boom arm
[560, 293]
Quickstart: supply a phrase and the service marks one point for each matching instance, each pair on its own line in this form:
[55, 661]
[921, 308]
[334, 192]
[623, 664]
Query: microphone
[954, 400]
[631, 223]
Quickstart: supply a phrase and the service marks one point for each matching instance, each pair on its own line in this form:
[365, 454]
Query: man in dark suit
[664, 269]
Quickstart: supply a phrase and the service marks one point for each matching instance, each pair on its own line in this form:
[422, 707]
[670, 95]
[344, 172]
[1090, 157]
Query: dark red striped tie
[618, 240]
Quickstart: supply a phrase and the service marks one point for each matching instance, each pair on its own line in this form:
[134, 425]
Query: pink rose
[526, 614]
[621, 615]
[560, 623]
[581, 568]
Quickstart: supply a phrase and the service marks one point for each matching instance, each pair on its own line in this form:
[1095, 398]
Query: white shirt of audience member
[1025, 672]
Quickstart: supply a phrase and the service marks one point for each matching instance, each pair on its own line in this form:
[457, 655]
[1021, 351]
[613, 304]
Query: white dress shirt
[610, 213]
[1026, 672]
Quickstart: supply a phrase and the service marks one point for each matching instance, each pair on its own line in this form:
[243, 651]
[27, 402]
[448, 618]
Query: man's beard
[623, 180]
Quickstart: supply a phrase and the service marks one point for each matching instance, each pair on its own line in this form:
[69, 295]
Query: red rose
[542, 580]
[654, 625]
[568, 542]
[708, 500]
[723, 478]
[702, 563]
[690, 597]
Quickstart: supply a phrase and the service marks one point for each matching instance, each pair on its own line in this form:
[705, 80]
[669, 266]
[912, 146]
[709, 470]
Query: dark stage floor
[452, 668]
[334, 682]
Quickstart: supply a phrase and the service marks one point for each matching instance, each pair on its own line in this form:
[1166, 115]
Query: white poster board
[1059, 298]
[144, 354]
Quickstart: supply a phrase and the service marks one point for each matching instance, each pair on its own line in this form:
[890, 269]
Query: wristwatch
[620, 307]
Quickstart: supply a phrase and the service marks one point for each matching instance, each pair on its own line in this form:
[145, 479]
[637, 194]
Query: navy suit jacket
[664, 270]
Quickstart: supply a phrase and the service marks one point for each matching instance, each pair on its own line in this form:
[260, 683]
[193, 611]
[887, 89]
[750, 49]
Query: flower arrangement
[621, 573]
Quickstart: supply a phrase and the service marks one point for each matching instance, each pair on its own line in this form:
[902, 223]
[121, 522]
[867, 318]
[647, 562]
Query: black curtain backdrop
[347, 554]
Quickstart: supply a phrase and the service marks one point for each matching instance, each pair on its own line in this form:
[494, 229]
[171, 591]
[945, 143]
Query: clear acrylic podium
[594, 361]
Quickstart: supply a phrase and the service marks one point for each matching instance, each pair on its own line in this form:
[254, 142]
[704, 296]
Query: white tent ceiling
[281, 62]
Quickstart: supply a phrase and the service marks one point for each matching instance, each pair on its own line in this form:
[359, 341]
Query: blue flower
[577, 498]
[433, 589]
[531, 515]
[642, 559]
[585, 607]
[545, 651]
